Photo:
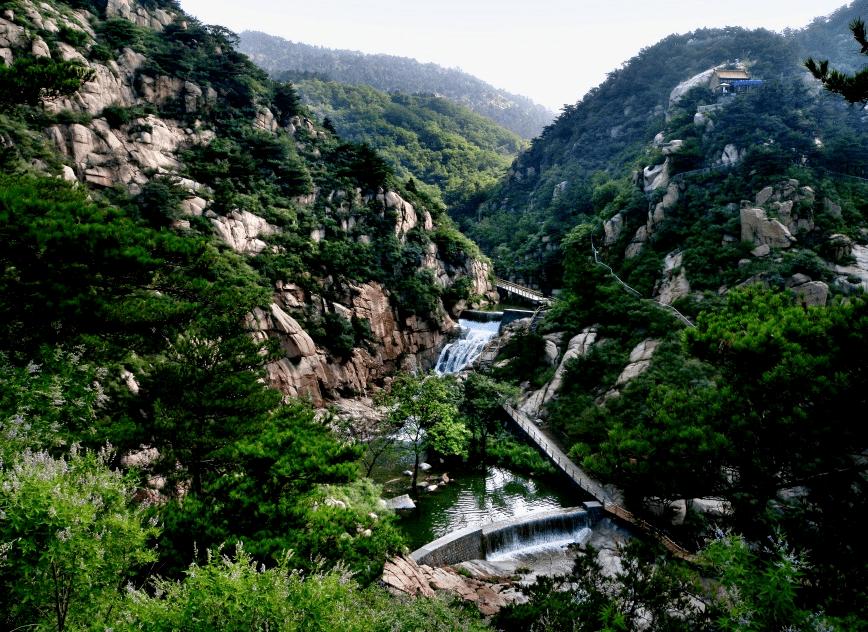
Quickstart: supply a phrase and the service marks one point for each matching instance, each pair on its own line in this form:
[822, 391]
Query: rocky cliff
[133, 124]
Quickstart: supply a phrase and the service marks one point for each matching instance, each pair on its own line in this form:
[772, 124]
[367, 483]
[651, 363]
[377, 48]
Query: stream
[477, 496]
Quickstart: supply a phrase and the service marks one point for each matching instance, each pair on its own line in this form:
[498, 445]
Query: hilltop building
[728, 82]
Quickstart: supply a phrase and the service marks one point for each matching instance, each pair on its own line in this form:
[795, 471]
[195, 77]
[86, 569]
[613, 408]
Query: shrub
[100, 52]
[159, 201]
[517, 456]
[117, 115]
[74, 37]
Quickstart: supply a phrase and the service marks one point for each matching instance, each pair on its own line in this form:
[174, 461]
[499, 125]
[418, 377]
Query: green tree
[51, 401]
[739, 589]
[75, 540]
[235, 594]
[30, 81]
[854, 88]
[481, 405]
[424, 411]
[649, 592]
[759, 590]
[264, 493]
[286, 101]
[778, 417]
[203, 395]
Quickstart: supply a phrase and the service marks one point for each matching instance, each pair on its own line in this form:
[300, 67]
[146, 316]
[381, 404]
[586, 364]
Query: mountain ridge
[393, 73]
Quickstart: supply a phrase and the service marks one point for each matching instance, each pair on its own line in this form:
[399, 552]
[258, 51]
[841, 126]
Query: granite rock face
[674, 284]
[310, 371]
[104, 153]
[403, 575]
[535, 402]
[640, 360]
[242, 230]
[656, 216]
[656, 177]
[757, 228]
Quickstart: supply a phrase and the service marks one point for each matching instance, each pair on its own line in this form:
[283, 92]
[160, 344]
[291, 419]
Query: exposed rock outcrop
[757, 228]
[534, 403]
[310, 371]
[105, 152]
[612, 229]
[640, 360]
[674, 284]
[813, 293]
[655, 217]
[730, 156]
[404, 575]
[103, 156]
[656, 177]
[242, 230]
[848, 275]
[684, 87]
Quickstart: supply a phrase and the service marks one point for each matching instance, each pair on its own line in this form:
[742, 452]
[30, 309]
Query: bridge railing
[521, 290]
[570, 469]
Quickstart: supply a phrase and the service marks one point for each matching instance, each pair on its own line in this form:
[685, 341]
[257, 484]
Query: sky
[552, 51]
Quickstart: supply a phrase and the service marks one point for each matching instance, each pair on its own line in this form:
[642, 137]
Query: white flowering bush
[52, 397]
[71, 539]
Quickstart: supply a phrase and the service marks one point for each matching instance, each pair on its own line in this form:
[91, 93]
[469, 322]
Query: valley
[294, 343]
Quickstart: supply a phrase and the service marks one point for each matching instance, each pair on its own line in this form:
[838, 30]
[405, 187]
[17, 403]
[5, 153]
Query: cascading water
[469, 345]
[551, 530]
[538, 543]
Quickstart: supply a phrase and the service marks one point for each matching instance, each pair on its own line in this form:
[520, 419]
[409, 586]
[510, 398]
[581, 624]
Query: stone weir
[481, 317]
[497, 538]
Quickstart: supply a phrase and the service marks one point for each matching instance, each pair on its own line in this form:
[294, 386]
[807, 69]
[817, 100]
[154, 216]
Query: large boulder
[656, 177]
[757, 228]
[813, 293]
[11, 35]
[612, 229]
[535, 403]
[730, 155]
[242, 229]
[701, 79]
[674, 284]
[640, 360]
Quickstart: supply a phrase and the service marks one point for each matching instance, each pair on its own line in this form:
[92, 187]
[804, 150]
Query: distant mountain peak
[390, 73]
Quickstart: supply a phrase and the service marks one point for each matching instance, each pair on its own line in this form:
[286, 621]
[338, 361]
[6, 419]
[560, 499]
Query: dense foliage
[137, 434]
[445, 145]
[582, 167]
[737, 590]
[390, 74]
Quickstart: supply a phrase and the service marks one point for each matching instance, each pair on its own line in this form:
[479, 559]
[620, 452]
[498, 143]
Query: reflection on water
[478, 498]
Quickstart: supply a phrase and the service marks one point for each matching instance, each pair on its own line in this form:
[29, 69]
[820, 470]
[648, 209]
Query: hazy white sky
[552, 51]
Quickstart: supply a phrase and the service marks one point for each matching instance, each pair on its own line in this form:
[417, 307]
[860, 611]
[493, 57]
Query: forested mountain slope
[389, 73]
[189, 264]
[828, 37]
[568, 174]
[712, 257]
[459, 153]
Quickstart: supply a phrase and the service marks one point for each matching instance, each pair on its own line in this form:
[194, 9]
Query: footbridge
[525, 292]
[588, 485]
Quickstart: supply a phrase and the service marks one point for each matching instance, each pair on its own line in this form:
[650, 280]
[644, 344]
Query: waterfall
[550, 530]
[470, 343]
